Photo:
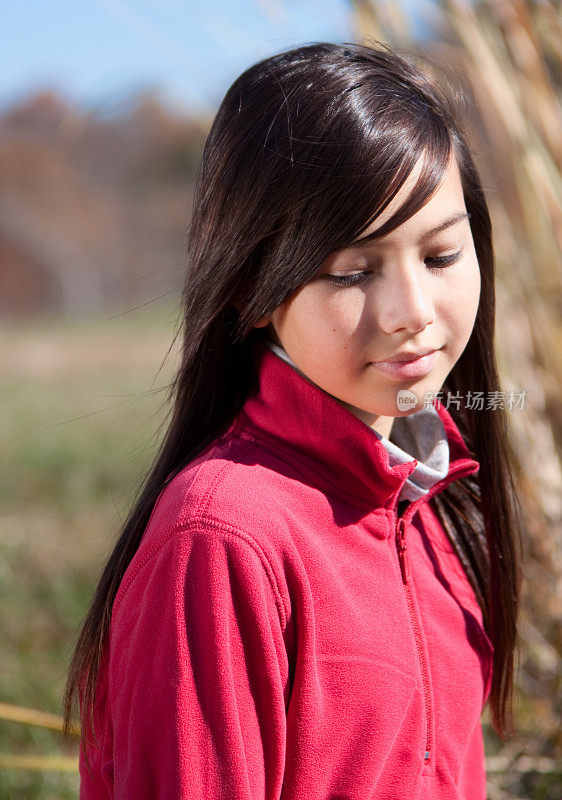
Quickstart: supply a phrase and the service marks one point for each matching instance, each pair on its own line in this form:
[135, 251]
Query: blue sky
[96, 51]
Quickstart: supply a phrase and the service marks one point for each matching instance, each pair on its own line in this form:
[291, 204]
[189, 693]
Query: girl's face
[369, 306]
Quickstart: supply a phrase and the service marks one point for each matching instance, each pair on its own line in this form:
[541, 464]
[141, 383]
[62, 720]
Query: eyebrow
[447, 223]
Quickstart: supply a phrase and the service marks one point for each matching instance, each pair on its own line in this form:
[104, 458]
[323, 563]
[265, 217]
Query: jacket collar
[335, 448]
[417, 436]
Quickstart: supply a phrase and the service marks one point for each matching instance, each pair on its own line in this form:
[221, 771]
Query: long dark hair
[306, 149]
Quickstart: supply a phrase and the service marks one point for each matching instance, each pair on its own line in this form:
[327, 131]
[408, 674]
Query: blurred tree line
[93, 205]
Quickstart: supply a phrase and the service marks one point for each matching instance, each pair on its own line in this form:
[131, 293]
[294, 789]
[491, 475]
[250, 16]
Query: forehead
[447, 200]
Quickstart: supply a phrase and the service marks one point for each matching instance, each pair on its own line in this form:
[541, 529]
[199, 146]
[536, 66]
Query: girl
[316, 593]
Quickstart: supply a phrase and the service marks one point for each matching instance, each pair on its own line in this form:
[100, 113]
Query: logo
[406, 400]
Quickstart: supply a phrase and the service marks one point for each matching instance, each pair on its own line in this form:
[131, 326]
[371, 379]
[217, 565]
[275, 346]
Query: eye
[440, 262]
[347, 280]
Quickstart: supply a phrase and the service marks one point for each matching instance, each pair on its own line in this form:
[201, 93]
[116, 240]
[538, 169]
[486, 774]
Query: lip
[408, 365]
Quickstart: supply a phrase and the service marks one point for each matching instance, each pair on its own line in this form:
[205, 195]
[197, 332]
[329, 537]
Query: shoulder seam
[196, 524]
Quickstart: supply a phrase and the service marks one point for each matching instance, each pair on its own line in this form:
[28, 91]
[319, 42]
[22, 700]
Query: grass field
[81, 402]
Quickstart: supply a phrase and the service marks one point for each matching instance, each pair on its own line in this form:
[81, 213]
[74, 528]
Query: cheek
[472, 294]
[460, 303]
[312, 316]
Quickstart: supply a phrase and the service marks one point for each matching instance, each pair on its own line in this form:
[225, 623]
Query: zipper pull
[402, 554]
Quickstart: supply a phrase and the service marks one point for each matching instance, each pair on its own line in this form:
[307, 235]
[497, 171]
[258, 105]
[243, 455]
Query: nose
[405, 301]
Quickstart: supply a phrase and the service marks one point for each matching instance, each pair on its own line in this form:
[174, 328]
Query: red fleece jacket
[280, 634]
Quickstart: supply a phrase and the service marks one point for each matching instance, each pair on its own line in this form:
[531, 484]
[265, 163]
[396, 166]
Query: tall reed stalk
[505, 58]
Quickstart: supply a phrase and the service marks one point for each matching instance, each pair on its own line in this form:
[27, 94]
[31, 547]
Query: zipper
[466, 468]
[405, 572]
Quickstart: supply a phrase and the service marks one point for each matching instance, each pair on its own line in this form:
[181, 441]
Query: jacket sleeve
[198, 673]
